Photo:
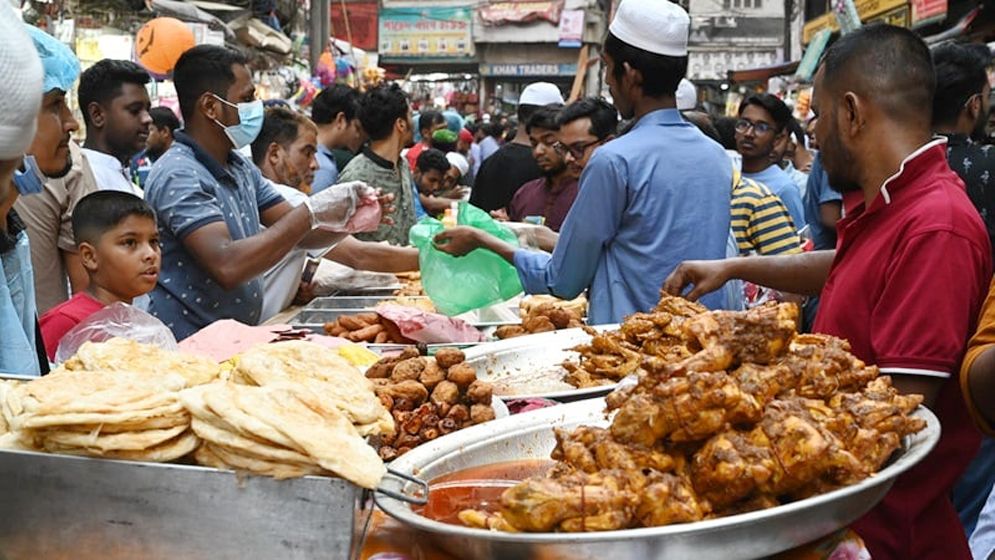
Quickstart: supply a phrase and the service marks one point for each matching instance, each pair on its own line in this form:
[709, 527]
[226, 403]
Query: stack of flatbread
[282, 430]
[322, 370]
[111, 414]
[119, 354]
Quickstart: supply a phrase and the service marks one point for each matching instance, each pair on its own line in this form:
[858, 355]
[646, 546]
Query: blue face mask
[31, 180]
[250, 122]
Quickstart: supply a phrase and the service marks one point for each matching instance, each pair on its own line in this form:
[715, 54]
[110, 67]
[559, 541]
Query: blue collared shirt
[649, 200]
[327, 173]
[781, 184]
[817, 193]
[189, 190]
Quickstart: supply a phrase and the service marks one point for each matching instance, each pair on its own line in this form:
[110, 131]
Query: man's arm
[375, 257]
[830, 213]
[79, 280]
[435, 205]
[232, 262]
[977, 375]
[314, 239]
[804, 274]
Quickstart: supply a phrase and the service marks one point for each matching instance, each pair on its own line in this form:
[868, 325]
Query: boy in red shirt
[118, 243]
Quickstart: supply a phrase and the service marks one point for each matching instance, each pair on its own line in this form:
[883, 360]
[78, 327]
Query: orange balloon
[160, 42]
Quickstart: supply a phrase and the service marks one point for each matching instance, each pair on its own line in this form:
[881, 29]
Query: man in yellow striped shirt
[760, 222]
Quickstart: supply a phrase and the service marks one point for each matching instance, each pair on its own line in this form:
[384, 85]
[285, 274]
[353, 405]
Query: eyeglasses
[575, 150]
[743, 125]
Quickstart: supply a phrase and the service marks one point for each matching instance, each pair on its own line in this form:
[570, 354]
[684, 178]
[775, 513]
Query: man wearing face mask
[212, 202]
[61, 177]
[20, 98]
[115, 106]
[960, 110]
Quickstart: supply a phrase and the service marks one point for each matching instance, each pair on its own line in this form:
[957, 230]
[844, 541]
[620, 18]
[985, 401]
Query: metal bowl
[751, 535]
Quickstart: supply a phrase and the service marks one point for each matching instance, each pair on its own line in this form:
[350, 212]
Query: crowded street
[551, 279]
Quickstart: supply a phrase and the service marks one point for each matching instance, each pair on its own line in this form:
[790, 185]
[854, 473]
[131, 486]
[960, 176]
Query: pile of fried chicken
[753, 416]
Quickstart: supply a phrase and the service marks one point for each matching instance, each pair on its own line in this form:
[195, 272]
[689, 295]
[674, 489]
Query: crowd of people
[877, 213]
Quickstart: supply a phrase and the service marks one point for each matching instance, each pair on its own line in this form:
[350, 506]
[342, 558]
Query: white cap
[457, 160]
[657, 26]
[541, 93]
[687, 95]
[21, 87]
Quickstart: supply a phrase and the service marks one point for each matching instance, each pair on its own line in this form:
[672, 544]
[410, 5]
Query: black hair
[661, 74]
[280, 125]
[164, 117]
[102, 82]
[726, 127]
[428, 119]
[380, 108]
[545, 117]
[432, 159]
[494, 129]
[886, 63]
[99, 212]
[204, 69]
[795, 129]
[472, 127]
[960, 74]
[335, 99]
[603, 115]
[704, 124]
[770, 103]
[525, 112]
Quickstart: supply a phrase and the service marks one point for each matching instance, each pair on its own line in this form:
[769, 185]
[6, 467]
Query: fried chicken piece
[485, 520]
[667, 499]
[678, 306]
[823, 365]
[728, 338]
[538, 324]
[592, 449]
[575, 502]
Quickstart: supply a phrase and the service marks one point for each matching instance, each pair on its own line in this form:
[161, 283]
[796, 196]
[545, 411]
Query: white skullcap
[457, 160]
[687, 95]
[20, 88]
[541, 93]
[657, 26]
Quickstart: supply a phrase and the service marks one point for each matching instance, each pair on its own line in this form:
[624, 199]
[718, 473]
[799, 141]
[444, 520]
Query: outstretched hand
[704, 276]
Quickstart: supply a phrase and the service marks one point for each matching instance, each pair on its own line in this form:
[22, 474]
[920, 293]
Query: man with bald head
[909, 273]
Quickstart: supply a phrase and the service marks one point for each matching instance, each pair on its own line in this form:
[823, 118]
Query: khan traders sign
[429, 32]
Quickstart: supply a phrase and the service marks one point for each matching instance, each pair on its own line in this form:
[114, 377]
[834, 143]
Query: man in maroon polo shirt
[546, 200]
[910, 272]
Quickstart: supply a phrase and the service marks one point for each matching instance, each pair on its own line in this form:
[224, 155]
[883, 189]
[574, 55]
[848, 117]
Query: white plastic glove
[332, 208]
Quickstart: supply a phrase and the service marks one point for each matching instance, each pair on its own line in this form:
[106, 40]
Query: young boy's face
[125, 260]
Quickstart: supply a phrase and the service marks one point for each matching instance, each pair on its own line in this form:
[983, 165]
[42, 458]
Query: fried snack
[545, 314]
[366, 327]
[410, 369]
[449, 357]
[510, 331]
[462, 375]
[119, 354]
[732, 412]
[432, 375]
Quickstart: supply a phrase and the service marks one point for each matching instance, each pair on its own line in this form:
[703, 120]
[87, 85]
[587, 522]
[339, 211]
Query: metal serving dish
[531, 366]
[354, 302]
[61, 506]
[751, 535]
[326, 310]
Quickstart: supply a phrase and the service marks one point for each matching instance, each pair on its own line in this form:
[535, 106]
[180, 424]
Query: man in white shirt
[285, 153]
[115, 107]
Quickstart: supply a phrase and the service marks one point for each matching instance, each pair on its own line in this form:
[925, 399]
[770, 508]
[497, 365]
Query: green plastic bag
[460, 284]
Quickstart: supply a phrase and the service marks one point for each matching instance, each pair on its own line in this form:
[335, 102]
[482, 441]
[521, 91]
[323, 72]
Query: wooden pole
[578, 86]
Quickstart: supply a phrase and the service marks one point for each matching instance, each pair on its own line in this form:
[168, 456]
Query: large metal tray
[326, 309]
[59, 506]
[531, 366]
[751, 535]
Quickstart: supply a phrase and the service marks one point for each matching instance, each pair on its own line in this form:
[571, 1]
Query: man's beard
[65, 171]
[838, 183]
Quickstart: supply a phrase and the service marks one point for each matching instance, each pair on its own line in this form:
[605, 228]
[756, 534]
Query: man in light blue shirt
[336, 113]
[648, 199]
[763, 122]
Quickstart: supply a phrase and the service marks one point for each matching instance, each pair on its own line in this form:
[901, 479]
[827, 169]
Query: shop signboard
[866, 9]
[527, 70]
[362, 26]
[521, 11]
[925, 12]
[571, 28]
[426, 32]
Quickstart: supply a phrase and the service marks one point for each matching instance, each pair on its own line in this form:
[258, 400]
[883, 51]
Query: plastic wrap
[117, 320]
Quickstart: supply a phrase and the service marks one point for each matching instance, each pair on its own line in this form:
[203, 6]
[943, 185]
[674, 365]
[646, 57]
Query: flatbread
[124, 441]
[277, 470]
[170, 450]
[250, 447]
[223, 400]
[119, 354]
[31, 421]
[182, 418]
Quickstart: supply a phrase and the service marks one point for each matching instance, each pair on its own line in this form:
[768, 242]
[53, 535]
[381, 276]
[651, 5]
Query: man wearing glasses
[647, 199]
[763, 120]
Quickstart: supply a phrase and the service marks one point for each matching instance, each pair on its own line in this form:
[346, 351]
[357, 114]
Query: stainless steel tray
[751, 535]
[58, 506]
[531, 366]
[323, 310]
[353, 302]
